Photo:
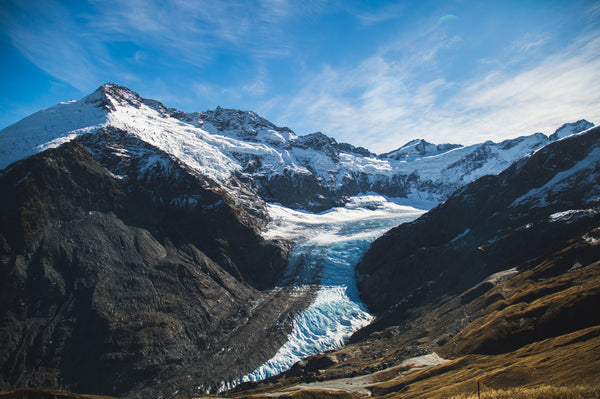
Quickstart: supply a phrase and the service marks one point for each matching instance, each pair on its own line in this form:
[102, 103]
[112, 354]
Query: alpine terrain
[149, 252]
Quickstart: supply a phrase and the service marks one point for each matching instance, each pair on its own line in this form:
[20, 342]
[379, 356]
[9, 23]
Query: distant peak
[416, 142]
[571, 128]
[221, 112]
[230, 119]
[419, 147]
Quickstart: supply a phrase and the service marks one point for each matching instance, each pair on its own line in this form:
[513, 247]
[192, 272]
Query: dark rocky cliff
[123, 274]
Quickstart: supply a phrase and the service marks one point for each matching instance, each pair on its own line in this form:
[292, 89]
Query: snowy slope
[49, 128]
[569, 129]
[583, 174]
[312, 171]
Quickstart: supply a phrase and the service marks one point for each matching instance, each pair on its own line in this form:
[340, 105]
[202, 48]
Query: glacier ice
[329, 245]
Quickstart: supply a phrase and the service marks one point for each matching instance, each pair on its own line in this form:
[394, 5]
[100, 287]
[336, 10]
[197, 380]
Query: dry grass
[390, 374]
[538, 392]
[307, 394]
[528, 309]
[38, 393]
[560, 361]
[536, 335]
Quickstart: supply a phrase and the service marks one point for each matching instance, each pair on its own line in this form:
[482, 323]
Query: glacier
[328, 246]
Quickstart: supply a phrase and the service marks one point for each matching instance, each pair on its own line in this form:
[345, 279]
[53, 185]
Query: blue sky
[371, 73]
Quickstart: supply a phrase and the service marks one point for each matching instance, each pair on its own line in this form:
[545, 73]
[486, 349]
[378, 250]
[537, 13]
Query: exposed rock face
[124, 274]
[532, 325]
[245, 125]
[312, 172]
[134, 269]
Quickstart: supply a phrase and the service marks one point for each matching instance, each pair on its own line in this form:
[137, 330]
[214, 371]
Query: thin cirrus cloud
[392, 109]
[74, 45]
[448, 17]
[369, 17]
[48, 40]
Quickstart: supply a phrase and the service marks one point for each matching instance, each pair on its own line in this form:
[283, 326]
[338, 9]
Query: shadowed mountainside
[139, 275]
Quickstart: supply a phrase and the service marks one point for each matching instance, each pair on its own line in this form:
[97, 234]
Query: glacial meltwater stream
[328, 246]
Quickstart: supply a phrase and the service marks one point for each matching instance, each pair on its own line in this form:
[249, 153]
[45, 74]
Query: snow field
[49, 128]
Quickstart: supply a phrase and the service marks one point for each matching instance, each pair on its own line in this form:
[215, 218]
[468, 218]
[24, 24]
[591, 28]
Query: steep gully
[328, 245]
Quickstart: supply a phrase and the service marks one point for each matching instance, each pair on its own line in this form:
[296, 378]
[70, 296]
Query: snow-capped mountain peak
[111, 96]
[571, 128]
[49, 128]
[312, 171]
[419, 147]
[245, 125]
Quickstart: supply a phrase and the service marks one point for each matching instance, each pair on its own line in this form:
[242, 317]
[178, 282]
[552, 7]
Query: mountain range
[312, 172]
[133, 248]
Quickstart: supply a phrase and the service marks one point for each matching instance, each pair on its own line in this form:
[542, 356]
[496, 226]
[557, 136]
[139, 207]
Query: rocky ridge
[466, 238]
[419, 147]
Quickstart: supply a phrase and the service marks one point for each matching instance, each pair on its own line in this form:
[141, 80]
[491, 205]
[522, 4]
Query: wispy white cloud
[530, 41]
[256, 88]
[448, 17]
[381, 103]
[402, 90]
[561, 87]
[594, 9]
[74, 46]
[49, 41]
[367, 16]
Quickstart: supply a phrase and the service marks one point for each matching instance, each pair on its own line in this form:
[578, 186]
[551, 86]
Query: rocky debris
[36, 393]
[502, 281]
[122, 263]
[312, 365]
[317, 363]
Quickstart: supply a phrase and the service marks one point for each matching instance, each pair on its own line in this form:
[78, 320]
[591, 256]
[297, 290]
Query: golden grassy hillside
[535, 333]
